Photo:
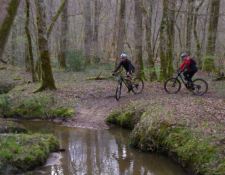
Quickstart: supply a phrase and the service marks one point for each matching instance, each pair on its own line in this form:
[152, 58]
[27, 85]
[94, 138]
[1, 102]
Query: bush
[5, 87]
[75, 60]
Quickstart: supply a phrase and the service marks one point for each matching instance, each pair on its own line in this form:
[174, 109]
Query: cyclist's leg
[192, 72]
[132, 71]
[186, 75]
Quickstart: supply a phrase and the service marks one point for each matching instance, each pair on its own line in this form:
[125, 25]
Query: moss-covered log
[8, 10]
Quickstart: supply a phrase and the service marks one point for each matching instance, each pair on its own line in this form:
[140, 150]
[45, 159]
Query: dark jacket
[127, 66]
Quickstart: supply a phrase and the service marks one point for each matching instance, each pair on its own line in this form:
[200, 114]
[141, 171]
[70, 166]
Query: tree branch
[54, 19]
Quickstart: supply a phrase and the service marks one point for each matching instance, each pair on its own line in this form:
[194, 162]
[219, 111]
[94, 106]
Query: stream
[104, 152]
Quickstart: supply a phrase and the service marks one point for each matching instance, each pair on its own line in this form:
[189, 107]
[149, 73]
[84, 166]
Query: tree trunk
[139, 69]
[31, 58]
[27, 61]
[148, 25]
[114, 30]
[63, 38]
[8, 10]
[88, 32]
[209, 64]
[13, 45]
[197, 41]
[162, 44]
[47, 81]
[96, 30]
[170, 36]
[189, 25]
[121, 31]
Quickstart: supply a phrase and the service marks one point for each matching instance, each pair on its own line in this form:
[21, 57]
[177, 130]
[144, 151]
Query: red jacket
[187, 64]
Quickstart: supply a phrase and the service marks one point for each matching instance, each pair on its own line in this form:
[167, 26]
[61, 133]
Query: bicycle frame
[178, 75]
[122, 79]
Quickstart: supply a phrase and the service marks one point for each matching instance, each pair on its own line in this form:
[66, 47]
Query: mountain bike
[197, 87]
[136, 85]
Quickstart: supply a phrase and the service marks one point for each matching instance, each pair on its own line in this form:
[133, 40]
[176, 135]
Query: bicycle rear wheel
[200, 87]
[172, 85]
[118, 91]
[138, 85]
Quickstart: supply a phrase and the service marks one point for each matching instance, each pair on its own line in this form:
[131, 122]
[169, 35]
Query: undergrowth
[33, 107]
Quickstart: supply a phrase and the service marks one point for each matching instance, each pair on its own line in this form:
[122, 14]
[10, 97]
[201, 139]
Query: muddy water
[104, 152]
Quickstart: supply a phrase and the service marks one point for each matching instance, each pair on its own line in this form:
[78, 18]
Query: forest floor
[92, 100]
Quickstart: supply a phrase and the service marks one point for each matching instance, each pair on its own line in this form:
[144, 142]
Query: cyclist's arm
[182, 65]
[119, 65]
[131, 67]
[185, 66]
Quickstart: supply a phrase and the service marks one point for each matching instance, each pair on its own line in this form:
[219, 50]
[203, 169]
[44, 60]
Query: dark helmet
[183, 55]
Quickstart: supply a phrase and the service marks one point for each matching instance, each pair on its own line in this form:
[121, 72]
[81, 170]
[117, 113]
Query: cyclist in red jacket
[190, 65]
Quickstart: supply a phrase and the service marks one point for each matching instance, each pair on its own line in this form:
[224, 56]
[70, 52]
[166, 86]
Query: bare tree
[114, 29]
[8, 10]
[63, 37]
[88, 32]
[139, 69]
[170, 36]
[31, 58]
[148, 28]
[162, 44]
[47, 81]
[197, 40]
[189, 26]
[121, 31]
[96, 30]
[209, 64]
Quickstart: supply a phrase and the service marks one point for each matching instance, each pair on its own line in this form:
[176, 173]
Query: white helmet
[123, 55]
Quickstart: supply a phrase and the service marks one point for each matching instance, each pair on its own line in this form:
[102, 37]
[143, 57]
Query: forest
[57, 59]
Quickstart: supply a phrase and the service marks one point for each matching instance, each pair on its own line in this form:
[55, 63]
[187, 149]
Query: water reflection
[104, 152]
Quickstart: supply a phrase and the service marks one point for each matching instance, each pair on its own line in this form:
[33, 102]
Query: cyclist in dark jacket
[190, 65]
[126, 63]
[128, 66]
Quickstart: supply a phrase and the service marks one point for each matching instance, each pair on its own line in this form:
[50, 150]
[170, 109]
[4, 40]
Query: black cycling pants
[188, 74]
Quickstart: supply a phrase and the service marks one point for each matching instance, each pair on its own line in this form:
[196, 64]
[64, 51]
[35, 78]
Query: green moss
[35, 107]
[62, 112]
[25, 152]
[208, 64]
[65, 112]
[112, 117]
[11, 127]
[17, 78]
[127, 117]
[2, 67]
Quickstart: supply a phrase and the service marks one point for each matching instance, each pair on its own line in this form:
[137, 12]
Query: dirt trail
[96, 102]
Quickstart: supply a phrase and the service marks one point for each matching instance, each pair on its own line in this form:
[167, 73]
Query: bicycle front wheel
[138, 85]
[200, 87]
[172, 85]
[118, 91]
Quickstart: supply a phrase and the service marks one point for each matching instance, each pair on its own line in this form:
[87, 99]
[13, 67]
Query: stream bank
[192, 143]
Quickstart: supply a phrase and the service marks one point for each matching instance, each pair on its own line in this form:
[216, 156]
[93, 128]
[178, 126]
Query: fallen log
[98, 77]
